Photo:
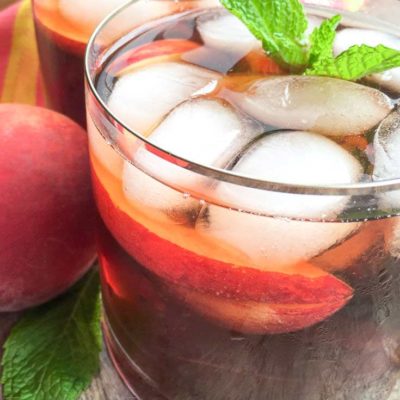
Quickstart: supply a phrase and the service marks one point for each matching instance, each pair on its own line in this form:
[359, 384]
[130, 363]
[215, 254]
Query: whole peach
[47, 214]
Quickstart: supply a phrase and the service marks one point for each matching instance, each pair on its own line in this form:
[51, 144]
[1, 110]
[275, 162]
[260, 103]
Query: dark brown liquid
[179, 355]
[63, 74]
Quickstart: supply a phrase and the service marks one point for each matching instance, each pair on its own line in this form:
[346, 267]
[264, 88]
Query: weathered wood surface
[106, 386]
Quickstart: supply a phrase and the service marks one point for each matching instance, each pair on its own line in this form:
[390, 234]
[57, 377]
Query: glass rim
[354, 189]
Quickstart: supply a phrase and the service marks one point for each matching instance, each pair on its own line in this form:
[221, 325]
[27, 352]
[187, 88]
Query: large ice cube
[287, 157]
[144, 96]
[387, 157]
[324, 105]
[346, 38]
[201, 130]
[226, 32]
[392, 238]
[223, 31]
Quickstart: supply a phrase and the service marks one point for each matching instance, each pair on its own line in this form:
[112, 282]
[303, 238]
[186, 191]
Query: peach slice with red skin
[301, 296]
[256, 317]
[160, 50]
[353, 249]
[260, 63]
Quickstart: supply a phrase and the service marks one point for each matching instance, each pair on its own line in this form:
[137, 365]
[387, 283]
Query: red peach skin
[299, 298]
[149, 51]
[260, 63]
[47, 214]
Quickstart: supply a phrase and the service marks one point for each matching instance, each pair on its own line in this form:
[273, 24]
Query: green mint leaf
[279, 24]
[322, 38]
[53, 352]
[362, 214]
[357, 62]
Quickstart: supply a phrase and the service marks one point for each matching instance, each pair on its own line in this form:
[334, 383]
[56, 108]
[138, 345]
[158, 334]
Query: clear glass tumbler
[248, 266]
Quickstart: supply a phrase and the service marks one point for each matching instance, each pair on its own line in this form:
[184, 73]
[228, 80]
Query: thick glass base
[163, 350]
[134, 378]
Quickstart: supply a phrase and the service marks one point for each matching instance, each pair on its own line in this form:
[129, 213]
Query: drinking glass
[218, 284]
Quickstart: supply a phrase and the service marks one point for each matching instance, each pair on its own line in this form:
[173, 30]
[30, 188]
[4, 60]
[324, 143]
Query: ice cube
[144, 96]
[328, 106]
[271, 241]
[387, 158]
[346, 38]
[392, 238]
[202, 130]
[225, 32]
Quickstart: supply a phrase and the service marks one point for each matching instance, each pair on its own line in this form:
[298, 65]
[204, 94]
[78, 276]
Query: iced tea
[249, 245]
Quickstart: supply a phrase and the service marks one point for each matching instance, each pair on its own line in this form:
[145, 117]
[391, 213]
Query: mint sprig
[322, 39]
[53, 352]
[281, 25]
[357, 62]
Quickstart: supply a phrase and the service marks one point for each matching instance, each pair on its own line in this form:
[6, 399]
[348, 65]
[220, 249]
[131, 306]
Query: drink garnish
[53, 351]
[281, 26]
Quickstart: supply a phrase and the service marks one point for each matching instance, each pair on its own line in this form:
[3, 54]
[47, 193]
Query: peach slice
[160, 50]
[121, 276]
[352, 250]
[260, 63]
[353, 143]
[302, 290]
[257, 317]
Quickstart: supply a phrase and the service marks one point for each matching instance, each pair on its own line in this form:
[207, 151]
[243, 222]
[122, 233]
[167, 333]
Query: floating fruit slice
[257, 317]
[301, 287]
[260, 63]
[361, 248]
[149, 53]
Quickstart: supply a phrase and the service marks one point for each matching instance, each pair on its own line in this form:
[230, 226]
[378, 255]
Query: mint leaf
[322, 39]
[357, 62]
[279, 24]
[362, 214]
[53, 352]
